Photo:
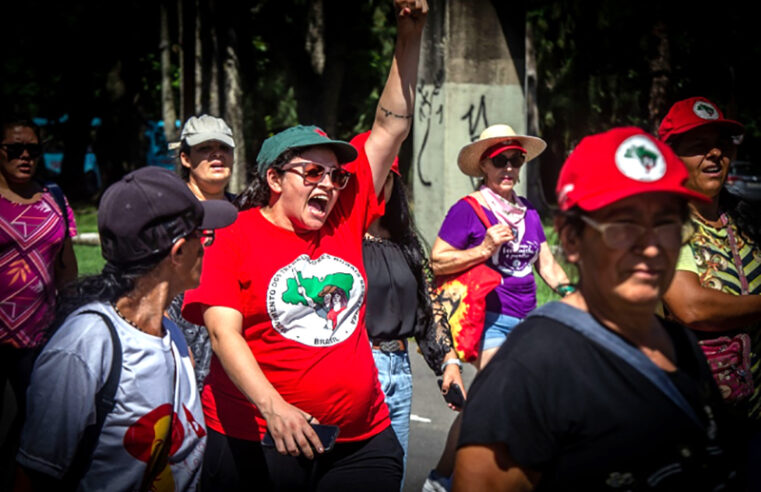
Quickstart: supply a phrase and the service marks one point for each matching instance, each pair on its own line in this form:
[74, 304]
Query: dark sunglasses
[16, 150]
[500, 160]
[313, 173]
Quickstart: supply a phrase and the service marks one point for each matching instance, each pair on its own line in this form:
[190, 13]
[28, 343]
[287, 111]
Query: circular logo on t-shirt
[316, 302]
[705, 110]
[638, 158]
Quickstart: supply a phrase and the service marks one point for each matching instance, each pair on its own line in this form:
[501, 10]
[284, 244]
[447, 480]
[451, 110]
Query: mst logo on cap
[639, 159]
[705, 110]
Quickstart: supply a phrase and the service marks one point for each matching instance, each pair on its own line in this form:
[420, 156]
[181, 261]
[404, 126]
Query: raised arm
[288, 425]
[707, 309]
[393, 117]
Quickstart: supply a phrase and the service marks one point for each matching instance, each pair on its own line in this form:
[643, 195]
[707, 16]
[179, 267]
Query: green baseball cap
[298, 137]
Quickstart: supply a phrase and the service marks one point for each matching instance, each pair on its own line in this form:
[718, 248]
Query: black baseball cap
[141, 216]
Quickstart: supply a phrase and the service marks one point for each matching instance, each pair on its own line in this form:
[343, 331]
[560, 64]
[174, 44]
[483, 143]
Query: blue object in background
[158, 150]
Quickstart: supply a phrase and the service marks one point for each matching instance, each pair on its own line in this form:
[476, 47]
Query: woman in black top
[594, 392]
[399, 307]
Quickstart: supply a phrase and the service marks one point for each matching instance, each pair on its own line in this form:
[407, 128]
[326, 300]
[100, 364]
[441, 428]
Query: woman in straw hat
[594, 392]
[514, 245]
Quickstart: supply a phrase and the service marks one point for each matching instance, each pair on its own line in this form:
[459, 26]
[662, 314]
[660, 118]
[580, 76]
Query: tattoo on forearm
[388, 113]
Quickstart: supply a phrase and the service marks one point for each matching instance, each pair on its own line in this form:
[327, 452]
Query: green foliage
[89, 259]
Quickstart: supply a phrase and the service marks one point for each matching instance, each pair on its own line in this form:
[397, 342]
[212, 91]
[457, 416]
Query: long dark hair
[397, 220]
[257, 193]
[108, 286]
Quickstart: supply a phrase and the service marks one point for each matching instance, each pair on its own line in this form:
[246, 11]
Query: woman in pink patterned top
[36, 258]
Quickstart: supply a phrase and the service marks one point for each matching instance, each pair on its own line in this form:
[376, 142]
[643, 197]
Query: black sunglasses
[16, 150]
[501, 160]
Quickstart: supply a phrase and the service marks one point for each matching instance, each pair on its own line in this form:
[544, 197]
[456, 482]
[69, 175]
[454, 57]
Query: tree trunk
[168, 111]
[660, 67]
[233, 91]
[214, 73]
[198, 60]
[536, 191]
[234, 116]
[186, 16]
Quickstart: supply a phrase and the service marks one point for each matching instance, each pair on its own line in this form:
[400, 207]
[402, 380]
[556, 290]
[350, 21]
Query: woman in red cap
[594, 392]
[718, 280]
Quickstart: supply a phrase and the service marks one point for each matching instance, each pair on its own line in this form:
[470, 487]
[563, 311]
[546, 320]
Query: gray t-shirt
[71, 369]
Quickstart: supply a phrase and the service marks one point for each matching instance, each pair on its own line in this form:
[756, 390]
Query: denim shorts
[496, 329]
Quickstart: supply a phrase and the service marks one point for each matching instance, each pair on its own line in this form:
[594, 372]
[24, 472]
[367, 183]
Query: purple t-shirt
[516, 295]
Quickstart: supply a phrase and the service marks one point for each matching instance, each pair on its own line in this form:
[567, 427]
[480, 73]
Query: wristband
[565, 289]
[449, 362]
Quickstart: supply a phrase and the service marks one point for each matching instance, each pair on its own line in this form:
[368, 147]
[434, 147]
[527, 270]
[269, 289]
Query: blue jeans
[395, 377]
[496, 329]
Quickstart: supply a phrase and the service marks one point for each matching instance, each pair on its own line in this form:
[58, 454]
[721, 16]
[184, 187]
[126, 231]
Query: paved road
[431, 419]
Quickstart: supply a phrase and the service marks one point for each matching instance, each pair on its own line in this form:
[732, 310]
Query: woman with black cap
[112, 331]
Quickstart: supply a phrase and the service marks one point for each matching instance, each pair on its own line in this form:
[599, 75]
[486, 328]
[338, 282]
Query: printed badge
[638, 158]
[705, 110]
[316, 302]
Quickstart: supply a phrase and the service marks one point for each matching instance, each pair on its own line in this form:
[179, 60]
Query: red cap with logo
[617, 164]
[691, 113]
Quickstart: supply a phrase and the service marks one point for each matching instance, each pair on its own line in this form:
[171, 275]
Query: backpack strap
[104, 403]
[57, 193]
[585, 324]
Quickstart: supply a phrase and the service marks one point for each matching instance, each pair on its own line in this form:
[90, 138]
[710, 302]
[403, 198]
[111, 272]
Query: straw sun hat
[494, 140]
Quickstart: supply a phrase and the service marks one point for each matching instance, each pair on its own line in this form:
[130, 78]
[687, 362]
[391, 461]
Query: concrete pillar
[472, 72]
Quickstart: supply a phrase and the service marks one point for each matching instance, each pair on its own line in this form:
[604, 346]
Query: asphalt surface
[430, 422]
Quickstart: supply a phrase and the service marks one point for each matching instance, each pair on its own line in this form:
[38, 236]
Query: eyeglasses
[205, 235]
[313, 172]
[16, 150]
[500, 160]
[623, 235]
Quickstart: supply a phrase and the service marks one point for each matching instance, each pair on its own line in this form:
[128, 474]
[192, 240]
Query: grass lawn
[89, 259]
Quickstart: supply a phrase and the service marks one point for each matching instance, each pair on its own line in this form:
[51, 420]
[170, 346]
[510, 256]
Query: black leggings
[371, 465]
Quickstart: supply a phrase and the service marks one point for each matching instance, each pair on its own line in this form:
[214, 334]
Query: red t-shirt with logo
[302, 301]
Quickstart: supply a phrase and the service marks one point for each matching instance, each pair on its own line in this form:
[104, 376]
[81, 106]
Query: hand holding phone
[326, 433]
[454, 395]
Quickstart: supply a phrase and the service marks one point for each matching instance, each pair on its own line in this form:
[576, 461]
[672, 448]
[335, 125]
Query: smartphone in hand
[326, 433]
[454, 395]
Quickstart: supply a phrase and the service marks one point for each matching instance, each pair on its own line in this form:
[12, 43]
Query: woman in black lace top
[399, 306]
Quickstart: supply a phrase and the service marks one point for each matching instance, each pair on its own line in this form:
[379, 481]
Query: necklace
[119, 313]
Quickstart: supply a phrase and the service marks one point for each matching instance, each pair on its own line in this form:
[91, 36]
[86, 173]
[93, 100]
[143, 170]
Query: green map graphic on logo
[328, 296]
[705, 107]
[646, 157]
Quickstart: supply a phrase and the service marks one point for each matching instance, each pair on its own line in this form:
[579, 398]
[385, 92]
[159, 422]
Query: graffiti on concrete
[428, 110]
[475, 120]
[476, 123]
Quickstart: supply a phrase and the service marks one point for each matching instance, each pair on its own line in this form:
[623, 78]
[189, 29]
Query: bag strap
[57, 193]
[478, 209]
[588, 326]
[104, 404]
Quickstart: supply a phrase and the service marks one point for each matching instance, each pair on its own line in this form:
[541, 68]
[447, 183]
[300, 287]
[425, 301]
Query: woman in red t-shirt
[282, 295]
